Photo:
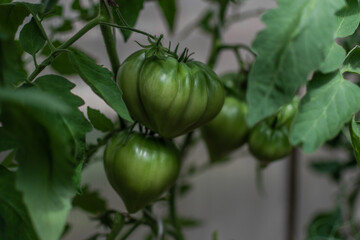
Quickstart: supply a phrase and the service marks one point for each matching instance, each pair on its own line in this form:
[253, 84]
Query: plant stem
[173, 217]
[131, 230]
[214, 52]
[238, 46]
[109, 40]
[42, 30]
[65, 45]
[128, 28]
[186, 143]
[292, 179]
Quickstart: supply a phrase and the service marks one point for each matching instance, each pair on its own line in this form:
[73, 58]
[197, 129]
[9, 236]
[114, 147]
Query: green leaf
[31, 38]
[347, 22]
[89, 201]
[46, 154]
[6, 141]
[334, 58]
[49, 5]
[129, 11]
[61, 63]
[118, 224]
[331, 168]
[355, 138]
[15, 223]
[75, 120]
[101, 82]
[325, 225]
[8, 161]
[99, 120]
[352, 63]
[329, 103]
[348, 19]
[12, 15]
[292, 46]
[12, 69]
[33, 98]
[168, 8]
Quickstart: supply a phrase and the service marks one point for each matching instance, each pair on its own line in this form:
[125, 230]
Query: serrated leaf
[31, 38]
[12, 69]
[75, 120]
[347, 22]
[99, 120]
[352, 63]
[46, 154]
[355, 138]
[291, 46]
[168, 8]
[15, 223]
[101, 81]
[329, 103]
[90, 201]
[12, 15]
[129, 11]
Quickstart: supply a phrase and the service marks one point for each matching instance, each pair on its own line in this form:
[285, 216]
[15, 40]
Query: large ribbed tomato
[140, 168]
[168, 96]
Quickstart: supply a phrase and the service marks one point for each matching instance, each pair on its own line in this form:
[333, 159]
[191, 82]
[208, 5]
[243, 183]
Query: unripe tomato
[168, 96]
[228, 130]
[140, 168]
[268, 143]
[287, 112]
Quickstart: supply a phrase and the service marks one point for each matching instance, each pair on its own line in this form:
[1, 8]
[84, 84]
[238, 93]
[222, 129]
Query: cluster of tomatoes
[173, 96]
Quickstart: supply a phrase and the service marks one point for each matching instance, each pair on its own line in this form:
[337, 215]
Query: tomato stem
[64, 46]
[109, 40]
[173, 216]
[128, 28]
[131, 230]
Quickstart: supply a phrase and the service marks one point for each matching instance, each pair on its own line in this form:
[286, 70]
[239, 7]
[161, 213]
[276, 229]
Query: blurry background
[224, 198]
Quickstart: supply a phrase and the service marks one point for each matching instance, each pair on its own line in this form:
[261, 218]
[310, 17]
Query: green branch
[109, 40]
[62, 47]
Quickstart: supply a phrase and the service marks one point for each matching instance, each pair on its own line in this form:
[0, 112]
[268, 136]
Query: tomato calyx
[155, 48]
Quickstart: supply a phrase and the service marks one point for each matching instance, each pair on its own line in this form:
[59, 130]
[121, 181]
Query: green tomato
[140, 168]
[168, 96]
[268, 143]
[287, 112]
[227, 131]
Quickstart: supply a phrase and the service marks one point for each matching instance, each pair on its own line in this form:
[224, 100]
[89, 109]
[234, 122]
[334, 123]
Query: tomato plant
[163, 103]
